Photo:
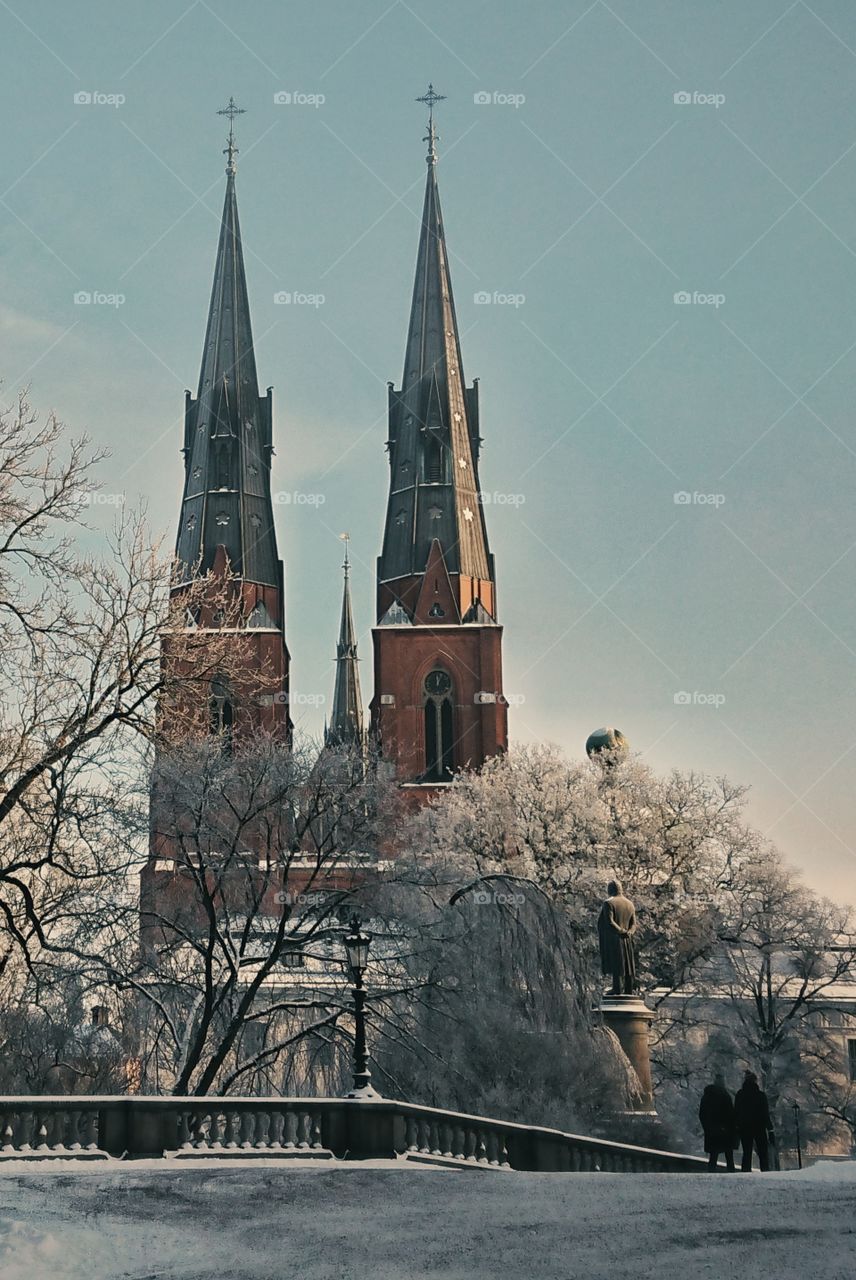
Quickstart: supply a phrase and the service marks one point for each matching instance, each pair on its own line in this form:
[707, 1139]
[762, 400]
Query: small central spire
[230, 150]
[430, 98]
[346, 718]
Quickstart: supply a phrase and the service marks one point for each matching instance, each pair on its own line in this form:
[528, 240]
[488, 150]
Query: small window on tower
[260, 616]
[433, 461]
[221, 712]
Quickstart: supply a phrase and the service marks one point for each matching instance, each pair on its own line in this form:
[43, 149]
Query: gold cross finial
[430, 98]
[230, 150]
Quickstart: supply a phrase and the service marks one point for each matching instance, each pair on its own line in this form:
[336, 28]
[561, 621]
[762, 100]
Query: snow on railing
[39, 1128]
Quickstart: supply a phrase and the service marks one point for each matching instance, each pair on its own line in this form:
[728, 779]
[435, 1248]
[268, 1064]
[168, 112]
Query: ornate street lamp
[357, 946]
[796, 1110]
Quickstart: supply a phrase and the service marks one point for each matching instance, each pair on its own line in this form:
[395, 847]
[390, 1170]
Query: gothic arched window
[221, 712]
[439, 726]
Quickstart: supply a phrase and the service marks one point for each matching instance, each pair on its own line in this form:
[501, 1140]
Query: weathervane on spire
[429, 99]
[230, 150]
[346, 538]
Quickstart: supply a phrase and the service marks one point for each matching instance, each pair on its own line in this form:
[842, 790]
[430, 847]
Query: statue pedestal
[630, 1018]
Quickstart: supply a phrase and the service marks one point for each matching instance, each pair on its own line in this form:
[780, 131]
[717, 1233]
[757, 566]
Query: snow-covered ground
[222, 1220]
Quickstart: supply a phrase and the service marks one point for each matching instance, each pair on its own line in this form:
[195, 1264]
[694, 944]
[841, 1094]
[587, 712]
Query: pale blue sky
[598, 198]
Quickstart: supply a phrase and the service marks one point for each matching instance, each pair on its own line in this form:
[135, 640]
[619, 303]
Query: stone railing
[310, 1128]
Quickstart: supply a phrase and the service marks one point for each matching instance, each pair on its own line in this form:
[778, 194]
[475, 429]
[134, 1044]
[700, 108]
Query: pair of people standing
[746, 1119]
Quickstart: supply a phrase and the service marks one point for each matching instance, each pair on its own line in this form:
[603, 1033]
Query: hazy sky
[581, 197]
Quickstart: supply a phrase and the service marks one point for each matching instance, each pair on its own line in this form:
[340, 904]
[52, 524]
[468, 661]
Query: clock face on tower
[438, 683]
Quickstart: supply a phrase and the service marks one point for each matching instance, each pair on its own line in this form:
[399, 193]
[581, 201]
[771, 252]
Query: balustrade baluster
[89, 1130]
[446, 1139]
[248, 1130]
[303, 1130]
[27, 1129]
[277, 1123]
[411, 1134]
[262, 1129]
[75, 1122]
[183, 1131]
[218, 1126]
[315, 1138]
[233, 1128]
[58, 1125]
[203, 1129]
[290, 1129]
[8, 1134]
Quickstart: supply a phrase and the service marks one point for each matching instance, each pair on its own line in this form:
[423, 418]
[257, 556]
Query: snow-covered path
[273, 1222]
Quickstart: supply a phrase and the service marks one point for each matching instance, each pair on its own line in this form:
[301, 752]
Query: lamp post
[796, 1107]
[357, 946]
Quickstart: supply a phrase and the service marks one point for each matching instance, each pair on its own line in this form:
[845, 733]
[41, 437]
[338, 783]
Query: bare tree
[263, 854]
[80, 674]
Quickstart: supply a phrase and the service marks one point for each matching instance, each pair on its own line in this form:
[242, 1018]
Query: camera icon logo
[82, 298]
[682, 699]
[481, 99]
[482, 298]
[83, 99]
[481, 897]
[282, 298]
[682, 498]
[681, 98]
[682, 299]
[281, 99]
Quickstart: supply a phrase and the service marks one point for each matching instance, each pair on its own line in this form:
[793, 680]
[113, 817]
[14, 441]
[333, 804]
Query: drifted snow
[223, 1220]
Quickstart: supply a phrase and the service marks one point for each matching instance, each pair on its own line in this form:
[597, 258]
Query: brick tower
[438, 704]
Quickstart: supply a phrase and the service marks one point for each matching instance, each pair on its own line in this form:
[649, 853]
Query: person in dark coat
[752, 1116]
[616, 926]
[716, 1113]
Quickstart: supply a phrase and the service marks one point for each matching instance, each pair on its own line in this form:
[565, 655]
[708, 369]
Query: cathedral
[437, 703]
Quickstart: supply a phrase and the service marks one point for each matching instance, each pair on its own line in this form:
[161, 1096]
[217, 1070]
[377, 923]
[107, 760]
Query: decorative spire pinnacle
[430, 98]
[346, 716]
[230, 150]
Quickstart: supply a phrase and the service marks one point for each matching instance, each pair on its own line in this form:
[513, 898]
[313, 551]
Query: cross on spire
[430, 98]
[230, 150]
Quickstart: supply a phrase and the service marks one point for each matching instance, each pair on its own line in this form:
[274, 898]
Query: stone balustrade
[38, 1128]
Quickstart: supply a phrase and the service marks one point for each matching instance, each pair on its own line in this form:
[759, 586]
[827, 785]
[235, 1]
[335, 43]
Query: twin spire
[434, 495]
[228, 440]
[434, 507]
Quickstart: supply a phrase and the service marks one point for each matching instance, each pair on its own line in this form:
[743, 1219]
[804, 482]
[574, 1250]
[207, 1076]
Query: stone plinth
[630, 1018]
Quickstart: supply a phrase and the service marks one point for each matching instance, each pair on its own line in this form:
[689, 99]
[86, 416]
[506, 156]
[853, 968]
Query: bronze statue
[615, 929]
